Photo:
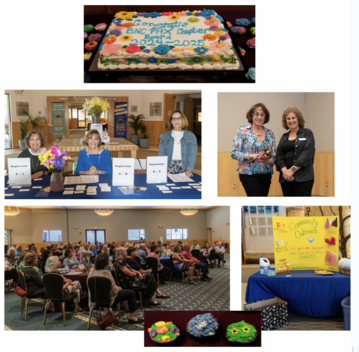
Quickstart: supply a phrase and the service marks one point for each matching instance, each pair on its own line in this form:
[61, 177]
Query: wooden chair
[54, 292]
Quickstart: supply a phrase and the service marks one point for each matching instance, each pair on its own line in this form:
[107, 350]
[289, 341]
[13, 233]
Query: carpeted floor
[213, 295]
[296, 321]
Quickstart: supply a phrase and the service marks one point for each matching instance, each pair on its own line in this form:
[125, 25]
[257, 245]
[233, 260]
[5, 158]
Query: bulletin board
[303, 242]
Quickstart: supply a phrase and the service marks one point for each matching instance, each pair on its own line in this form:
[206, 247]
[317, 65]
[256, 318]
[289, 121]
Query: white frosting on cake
[168, 41]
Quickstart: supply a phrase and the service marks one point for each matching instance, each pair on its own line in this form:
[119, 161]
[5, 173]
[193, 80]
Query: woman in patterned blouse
[255, 149]
[295, 156]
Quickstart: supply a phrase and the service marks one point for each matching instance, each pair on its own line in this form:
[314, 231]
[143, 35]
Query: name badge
[302, 139]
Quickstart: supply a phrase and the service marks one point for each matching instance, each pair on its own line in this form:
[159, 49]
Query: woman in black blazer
[295, 156]
[35, 285]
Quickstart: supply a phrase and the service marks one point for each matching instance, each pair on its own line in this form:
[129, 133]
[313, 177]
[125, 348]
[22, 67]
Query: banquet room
[296, 264]
[69, 267]
[93, 133]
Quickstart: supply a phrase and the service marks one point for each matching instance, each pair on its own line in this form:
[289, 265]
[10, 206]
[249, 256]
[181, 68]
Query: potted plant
[136, 123]
[34, 121]
[144, 141]
[23, 133]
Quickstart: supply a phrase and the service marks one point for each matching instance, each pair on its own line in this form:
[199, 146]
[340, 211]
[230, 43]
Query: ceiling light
[189, 211]
[104, 212]
[12, 212]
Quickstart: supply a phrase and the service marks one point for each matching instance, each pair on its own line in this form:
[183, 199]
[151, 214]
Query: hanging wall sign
[121, 120]
[58, 121]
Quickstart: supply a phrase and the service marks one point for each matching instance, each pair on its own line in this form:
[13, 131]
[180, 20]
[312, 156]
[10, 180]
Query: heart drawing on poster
[311, 239]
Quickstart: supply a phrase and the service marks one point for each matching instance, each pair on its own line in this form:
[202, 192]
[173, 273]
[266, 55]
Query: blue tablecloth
[305, 292]
[152, 191]
[165, 262]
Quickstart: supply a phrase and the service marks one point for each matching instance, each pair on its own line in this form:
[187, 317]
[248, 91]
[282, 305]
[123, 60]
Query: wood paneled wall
[154, 130]
[38, 245]
[323, 174]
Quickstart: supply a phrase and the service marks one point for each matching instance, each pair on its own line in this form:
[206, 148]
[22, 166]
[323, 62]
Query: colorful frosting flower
[229, 24]
[152, 60]
[197, 60]
[119, 28]
[88, 28]
[209, 37]
[241, 332]
[242, 22]
[206, 13]
[197, 14]
[117, 21]
[220, 18]
[167, 13]
[95, 37]
[110, 49]
[127, 24]
[162, 49]
[251, 43]
[101, 27]
[214, 28]
[192, 20]
[146, 51]
[116, 32]
[141, 14]
[243, 52]
[90, 46]
[177, 50]
[218, 45]
[133, 49]
[201, 50]
[110, 39]
[190, 48]
[216, 58]
[238, 30]
[223, 37]
[234, 331]
[174, 18]
[124, 15]
[202, 325]
[121, 61]
[183, 13]
[172, 61]
[212, 22]
[125, 38]
[253, 30]
[189, 13]
[154, 14]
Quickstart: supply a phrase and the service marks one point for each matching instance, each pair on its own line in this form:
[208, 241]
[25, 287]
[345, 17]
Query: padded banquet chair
[23, 285]
[174, 270]
[100, 288]
[212, 257]
[152, 263]
[195, 253]
[54, 292]
[135, 289]
[138, 260]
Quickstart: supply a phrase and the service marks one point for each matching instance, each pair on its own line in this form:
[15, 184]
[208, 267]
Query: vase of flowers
[54, 159]
[95, 107]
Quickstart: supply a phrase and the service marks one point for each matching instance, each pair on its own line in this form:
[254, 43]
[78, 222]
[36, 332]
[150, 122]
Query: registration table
[305, 292]
[118, 145]
[152, 192]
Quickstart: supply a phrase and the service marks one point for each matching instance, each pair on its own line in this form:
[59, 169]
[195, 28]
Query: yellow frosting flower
[190, 48]
[124, 15]
[126, 38]
[234, 331]
[246, 329]
[160, 323]
[165, 338]
[178, 50]
[219, 33]
[174, 18]
[87, 56]
[216, 58]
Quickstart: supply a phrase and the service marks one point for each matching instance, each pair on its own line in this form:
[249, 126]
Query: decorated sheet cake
[161, 40]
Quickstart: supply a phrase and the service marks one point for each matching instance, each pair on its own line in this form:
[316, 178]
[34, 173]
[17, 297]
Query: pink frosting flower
[212, 22]
[166, 13]
[121, 61]
[218, 45]
[110, 49]
[183, 13]
[133, 49]
[120, 28]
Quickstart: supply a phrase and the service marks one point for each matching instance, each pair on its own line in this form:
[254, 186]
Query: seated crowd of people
[128, 262]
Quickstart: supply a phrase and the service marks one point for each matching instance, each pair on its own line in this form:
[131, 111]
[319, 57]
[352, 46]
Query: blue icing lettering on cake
[183, 39]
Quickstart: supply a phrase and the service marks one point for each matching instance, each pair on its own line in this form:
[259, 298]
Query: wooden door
[295, 212]
[49, 115]
[209, 236]
[189, 113]
[111, 114]
[170, 106]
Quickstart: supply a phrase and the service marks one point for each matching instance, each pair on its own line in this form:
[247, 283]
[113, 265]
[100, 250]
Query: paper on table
[179, 178]
[6, 189]
[24, 190]
[69, 189]
[175, 187]
[80, 187]
[197, 186]
[103, 185]
[167, 192]
[170, 184]
[16, 186]
[68, 192]
[161, 186]
[76, 180]
[105, 189]
[37, 187]
[79, 192]
[193, 184]
[37, 179]
[186, 187]
[164, 188]
[9, 194]
[199, 189]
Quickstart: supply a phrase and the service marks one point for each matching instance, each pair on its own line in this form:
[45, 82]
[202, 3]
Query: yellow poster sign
[306, 243]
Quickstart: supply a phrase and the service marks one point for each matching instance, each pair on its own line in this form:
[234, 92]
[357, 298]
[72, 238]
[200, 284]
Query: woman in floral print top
[255, 168]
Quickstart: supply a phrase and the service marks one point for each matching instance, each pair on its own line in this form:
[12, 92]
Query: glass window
[135, 234]
[95, 235]
[177, 234]
[51, 236]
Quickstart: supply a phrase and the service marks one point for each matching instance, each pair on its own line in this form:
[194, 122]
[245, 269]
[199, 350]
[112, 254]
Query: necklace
[32, 164]
[88, 157]
[177, 140]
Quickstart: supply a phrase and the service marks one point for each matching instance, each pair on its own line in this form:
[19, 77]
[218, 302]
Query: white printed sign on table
[123, 172]
[19, 171]
[156, 169]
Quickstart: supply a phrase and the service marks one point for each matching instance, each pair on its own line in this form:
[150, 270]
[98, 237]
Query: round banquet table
[81, 277]
[305, 292]
[165, 262]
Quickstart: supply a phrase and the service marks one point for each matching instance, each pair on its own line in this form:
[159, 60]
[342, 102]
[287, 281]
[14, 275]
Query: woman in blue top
[94, 160]
[179, 145]
[70, 259]
[93, 249]
[255, 149]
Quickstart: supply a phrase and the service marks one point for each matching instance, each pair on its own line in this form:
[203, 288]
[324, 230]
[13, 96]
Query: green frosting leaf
[142, 47]
[158, 337]
[154, 327]
[171, 334]
[169, 326]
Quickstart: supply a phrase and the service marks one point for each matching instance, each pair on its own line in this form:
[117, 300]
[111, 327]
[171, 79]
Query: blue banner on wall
[120, 120]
